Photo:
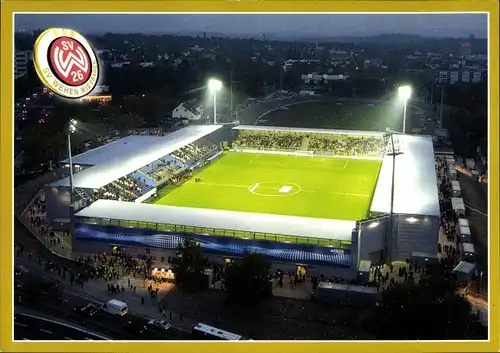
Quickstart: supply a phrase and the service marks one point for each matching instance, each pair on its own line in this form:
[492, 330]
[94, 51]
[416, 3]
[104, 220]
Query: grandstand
[313, 197]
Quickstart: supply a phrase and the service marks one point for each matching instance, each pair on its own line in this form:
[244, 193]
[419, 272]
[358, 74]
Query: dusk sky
[432, 25]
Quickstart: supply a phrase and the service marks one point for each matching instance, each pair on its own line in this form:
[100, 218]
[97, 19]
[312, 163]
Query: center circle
[275, 188]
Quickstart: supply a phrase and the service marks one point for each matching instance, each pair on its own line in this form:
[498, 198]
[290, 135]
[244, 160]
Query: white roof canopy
[463, 222]
[457, 203]
[122, 157]
[465, 230]
[468, 248]
[455, 185]
[230, 220]
[415, 186]
[465, 267]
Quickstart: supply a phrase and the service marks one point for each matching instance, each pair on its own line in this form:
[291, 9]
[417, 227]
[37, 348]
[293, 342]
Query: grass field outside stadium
[334, 115]
[334, 188]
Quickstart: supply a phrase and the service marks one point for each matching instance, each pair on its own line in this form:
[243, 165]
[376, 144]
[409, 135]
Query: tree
[43, 145]
[429, 310]
[191, 264]
[247, 280]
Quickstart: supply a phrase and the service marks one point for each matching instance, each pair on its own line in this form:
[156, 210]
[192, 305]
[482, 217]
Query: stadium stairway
[143, 177]
[305, 144]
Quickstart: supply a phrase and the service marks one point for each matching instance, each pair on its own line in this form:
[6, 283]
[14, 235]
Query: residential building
[319, 78]
[189, 110]
[21, 61]
[100, 94]
[451, 77]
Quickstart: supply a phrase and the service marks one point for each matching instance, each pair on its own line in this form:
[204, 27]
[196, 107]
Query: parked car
[160, 325]
[87, 310]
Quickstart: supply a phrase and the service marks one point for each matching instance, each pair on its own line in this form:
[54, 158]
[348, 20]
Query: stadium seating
[123, 189]
[270, 140]
[195, 152]
[161, 171]
[333, 144]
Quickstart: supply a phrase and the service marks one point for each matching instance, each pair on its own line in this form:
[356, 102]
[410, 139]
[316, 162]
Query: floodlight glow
[73, 122]
[411, 220]
[214, 85]
[404, 92]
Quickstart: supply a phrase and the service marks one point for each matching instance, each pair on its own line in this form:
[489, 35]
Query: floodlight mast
[70, 128]
[404, 92]
[392, 151]
[214, 86]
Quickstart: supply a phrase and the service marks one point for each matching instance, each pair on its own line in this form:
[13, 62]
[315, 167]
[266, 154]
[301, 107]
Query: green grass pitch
[335, 188]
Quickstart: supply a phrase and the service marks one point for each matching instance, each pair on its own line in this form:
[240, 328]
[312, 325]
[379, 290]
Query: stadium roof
[305, 130]
[231, 220]
[415, 185]
[119, 158]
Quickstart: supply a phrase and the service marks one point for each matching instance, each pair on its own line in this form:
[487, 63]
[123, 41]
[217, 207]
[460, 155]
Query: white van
[115, 307]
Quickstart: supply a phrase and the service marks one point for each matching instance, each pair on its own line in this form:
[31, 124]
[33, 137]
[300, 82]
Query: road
[36, 292]
[35, 327]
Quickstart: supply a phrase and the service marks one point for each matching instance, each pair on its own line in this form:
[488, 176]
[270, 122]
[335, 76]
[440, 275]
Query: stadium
[315, 198]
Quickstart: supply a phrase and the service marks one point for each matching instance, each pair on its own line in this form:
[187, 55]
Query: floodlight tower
[70, 129]
[392, 150]
[404, 93]
[214, 86]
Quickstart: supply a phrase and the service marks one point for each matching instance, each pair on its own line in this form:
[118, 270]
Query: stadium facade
[324, 246]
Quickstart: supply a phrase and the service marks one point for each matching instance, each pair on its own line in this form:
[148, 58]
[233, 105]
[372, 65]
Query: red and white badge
[66, 63]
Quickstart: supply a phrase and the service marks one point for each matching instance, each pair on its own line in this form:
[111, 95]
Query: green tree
[191, 264]
[428, 310]
[247, 280]
[43, 145]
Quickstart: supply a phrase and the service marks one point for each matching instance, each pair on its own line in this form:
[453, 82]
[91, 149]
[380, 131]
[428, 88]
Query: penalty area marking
[286, 185]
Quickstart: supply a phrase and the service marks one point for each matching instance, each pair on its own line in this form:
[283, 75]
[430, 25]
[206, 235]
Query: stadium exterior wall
[91, 238]
[371, 239]
[414, 233]
[57, 202]
[91, 247]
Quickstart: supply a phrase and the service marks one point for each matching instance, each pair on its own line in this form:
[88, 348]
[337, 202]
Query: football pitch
[335, 188]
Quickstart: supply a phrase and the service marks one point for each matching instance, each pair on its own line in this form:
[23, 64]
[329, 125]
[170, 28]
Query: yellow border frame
[6, 190]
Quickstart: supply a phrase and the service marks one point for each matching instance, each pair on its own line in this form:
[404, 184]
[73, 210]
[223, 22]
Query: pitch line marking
[254, 187]
[254, 158]
[346, 163]
[274, 188]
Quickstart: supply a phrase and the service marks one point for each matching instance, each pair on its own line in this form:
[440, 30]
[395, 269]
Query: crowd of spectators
[166, 169]
[447, 249]
[123, 189]
[345, 145]
[269, 140]
[35, 218]
[195, 151]
[342, 145]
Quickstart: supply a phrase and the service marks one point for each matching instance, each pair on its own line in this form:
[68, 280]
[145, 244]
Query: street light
[404, 92]
[214, 86]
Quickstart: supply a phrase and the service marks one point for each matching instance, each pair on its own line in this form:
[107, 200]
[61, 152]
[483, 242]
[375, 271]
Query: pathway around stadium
[96, 291]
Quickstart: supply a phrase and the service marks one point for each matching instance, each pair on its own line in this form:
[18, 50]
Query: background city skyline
[276, 25]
